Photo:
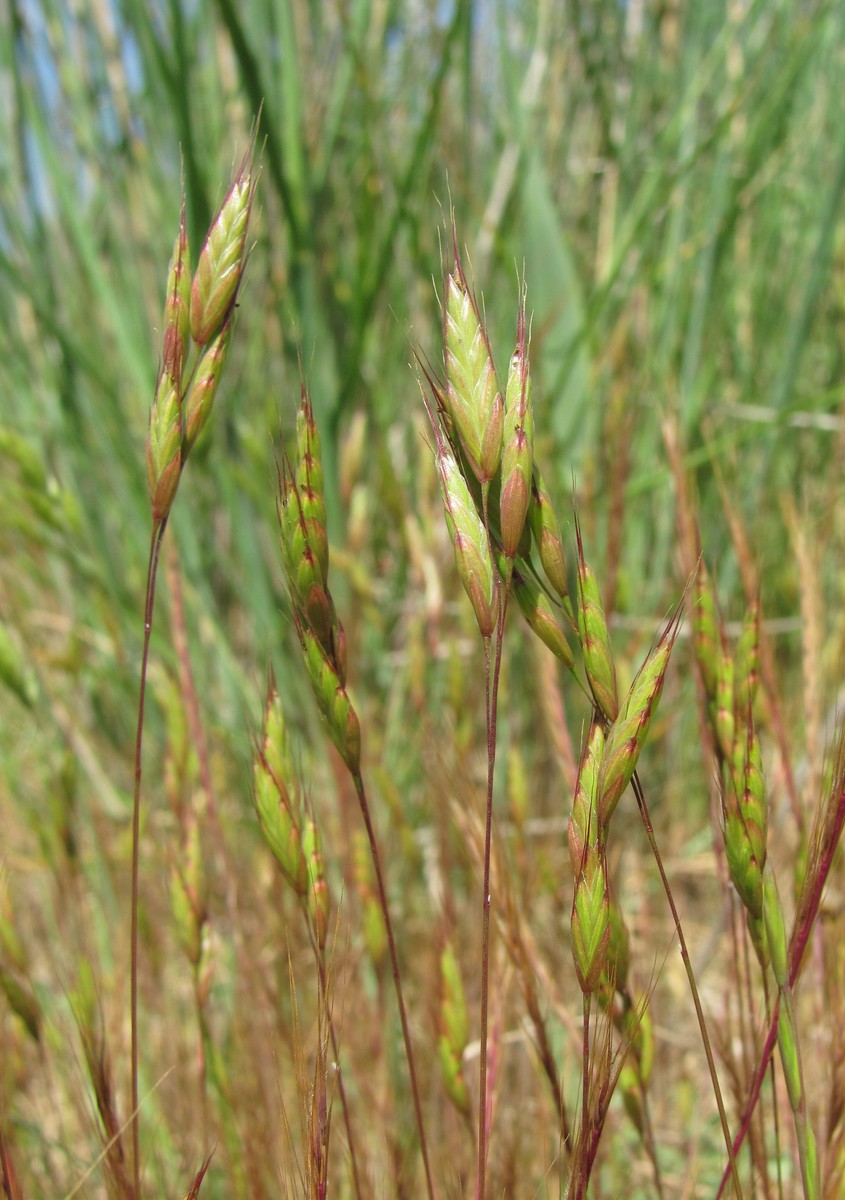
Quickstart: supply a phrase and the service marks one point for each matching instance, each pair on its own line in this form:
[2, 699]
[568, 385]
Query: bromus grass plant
[476, 830]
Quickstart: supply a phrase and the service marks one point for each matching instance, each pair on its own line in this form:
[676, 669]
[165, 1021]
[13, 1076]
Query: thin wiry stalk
[397, 979]
[481, 1171]
[699, 1012]
[492, 698]
[149, 605]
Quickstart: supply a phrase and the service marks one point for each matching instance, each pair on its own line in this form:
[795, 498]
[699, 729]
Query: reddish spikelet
[177, 306]
[198, 1178]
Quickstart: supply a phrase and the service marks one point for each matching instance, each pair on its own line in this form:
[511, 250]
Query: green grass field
[665, 180]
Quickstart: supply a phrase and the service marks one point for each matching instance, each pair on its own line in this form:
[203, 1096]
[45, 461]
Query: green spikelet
[469, 537]
[747, 664]
[453, 1030]
[472, 393]
[745, 823]
[540, 616]
[164, 447]
[518, 445]
[590, 920]
[627, 734]
[200, 399]
[545, 529]
[705, 633]
[595, 638]
[332, 700]
[276, 795]
[222, 258]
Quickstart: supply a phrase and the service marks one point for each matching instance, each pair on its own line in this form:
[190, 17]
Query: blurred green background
[668, 176]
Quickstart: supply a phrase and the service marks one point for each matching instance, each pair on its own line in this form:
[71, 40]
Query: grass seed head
[518, 444]
[472, 392]
[745, 822]
[590, 920]
[332, 700]
[200, 399]
[595, 637]
[177, 306]
[276, 795]
[469, 537]
[747, 663]
[222, 258]
[164, 447]
[539, 613]
[707, 640]
[626, 736]
[545, 529]
[583, 823]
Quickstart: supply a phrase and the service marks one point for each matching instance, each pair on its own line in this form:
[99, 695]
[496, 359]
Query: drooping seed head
[518, 444]
[472, 392]
[626, 736]
[177, 306]
[222, 258]
[469, 537]
[595, 637]
[545, 529]
[200, 399]
[590, 921]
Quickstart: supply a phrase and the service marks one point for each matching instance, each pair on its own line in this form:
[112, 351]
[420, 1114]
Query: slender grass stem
[397, 979]
[149, 605]
[699, 1012]
[481, 1176]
